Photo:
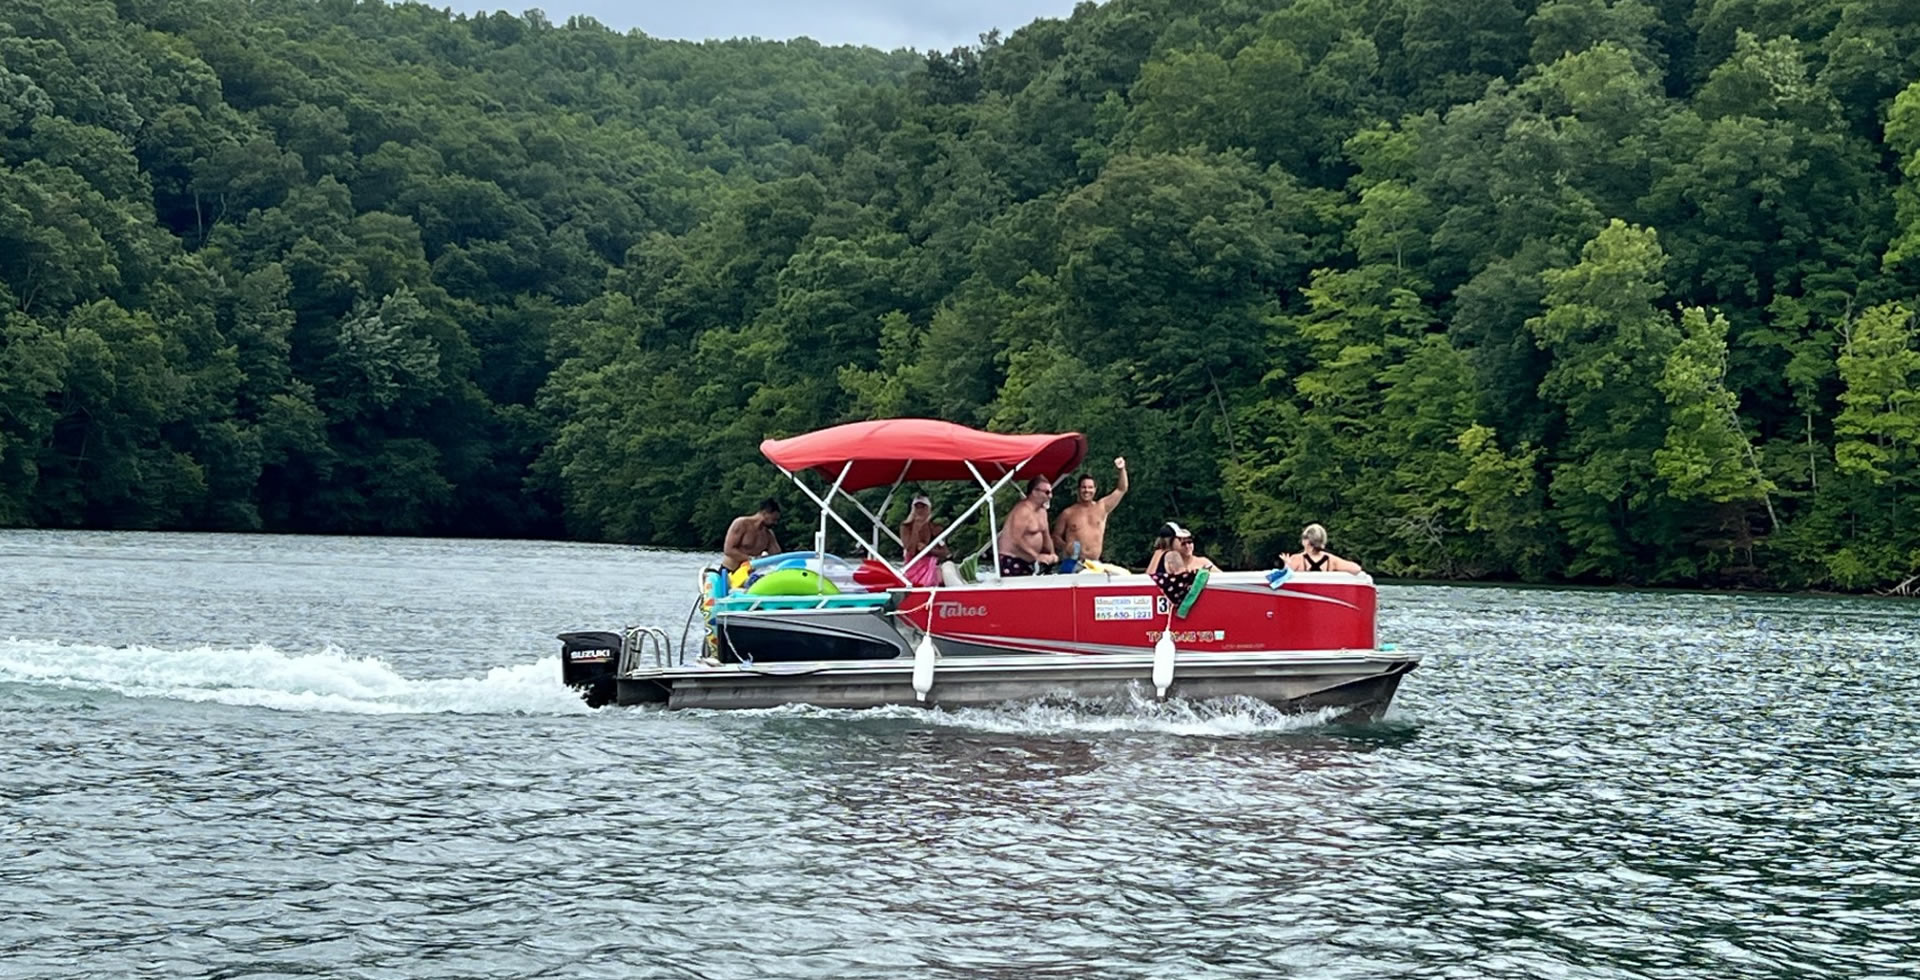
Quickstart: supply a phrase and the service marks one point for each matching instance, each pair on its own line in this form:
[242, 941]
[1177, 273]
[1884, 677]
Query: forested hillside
[1575, 289]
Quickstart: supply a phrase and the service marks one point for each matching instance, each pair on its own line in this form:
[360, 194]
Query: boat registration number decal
[1122, 607]
[1189, 636]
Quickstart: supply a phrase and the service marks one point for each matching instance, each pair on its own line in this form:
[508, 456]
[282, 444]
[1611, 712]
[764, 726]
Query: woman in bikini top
[1174, 565]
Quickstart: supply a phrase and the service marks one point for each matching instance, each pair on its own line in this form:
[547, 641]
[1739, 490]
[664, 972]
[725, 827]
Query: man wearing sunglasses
[1025, 543]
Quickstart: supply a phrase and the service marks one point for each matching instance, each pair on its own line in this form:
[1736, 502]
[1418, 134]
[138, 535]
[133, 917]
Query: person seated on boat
[1084, 522]
[751, 536]
[1174, 566]
[1173, 552]
[1314, 556]
[1025, 542]
[916, 533]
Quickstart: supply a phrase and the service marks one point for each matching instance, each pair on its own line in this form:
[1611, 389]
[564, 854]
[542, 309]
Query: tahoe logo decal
[957, 610]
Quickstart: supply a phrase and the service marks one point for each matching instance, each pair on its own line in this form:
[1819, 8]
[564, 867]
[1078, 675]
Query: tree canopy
[1593, 290]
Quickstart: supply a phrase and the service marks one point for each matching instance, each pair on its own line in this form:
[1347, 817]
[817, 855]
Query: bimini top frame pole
[881, 452]
[820, 543]
[828, 513]
[985, 498]
[880, 526]
[993, 520]
[825, 503]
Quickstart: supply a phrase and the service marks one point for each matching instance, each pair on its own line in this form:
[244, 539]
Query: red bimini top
[887, 451]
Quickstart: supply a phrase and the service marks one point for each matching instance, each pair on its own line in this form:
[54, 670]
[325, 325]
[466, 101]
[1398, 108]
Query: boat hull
[1305, 645]
[1357, 686]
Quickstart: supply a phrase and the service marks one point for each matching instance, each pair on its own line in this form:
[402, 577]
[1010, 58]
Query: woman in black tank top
[1314, 556]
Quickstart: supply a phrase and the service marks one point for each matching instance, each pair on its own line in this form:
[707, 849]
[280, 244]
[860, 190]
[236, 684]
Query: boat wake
[1226, 717]
[1136, 713]
[328, 680]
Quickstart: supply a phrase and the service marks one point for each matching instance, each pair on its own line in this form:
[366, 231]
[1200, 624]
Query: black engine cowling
[590, 662]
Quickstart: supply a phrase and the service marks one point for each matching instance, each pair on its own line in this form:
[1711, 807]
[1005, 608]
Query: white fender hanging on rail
[924, 654]
[1163, 656]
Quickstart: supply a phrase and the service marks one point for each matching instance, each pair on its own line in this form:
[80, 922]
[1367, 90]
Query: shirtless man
[751, 536]
[1086, 521]
[920, 529]
[1024, 541]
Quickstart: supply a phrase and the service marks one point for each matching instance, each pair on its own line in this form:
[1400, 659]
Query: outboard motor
[590, 663]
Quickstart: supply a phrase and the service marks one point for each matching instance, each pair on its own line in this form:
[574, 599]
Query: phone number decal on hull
[1122, 607]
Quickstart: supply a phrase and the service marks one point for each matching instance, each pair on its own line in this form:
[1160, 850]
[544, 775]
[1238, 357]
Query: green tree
[33, 365]
[1504, 501]
[1607, 340]
[1903, 136]
[1707, 457]
[1878, 446]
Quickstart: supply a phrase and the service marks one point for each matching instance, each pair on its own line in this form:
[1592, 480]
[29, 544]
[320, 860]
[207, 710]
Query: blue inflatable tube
[775, 561]
[793, 560]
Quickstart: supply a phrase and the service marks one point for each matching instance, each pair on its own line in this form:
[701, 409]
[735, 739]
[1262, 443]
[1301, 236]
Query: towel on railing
[924, 572]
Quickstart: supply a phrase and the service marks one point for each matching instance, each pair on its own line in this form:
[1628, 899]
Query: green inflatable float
[792, 581]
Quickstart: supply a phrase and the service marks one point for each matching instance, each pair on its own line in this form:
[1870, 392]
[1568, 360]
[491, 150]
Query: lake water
[258, 756]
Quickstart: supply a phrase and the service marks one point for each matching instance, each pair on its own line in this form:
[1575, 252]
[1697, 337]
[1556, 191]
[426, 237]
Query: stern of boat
[590, 664]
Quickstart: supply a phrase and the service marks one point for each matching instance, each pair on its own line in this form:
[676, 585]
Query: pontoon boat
[860, 635]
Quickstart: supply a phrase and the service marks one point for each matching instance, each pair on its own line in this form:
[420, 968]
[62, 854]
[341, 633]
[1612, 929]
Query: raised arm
[1112, 500]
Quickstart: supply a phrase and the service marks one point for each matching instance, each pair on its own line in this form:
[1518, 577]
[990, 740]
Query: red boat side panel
[1039, 619]
[1098, 616]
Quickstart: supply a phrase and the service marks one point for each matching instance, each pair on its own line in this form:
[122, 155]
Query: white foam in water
[329, 680]
[1227, 717]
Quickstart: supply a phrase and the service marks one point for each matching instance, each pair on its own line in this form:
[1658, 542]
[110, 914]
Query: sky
[923, 24]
